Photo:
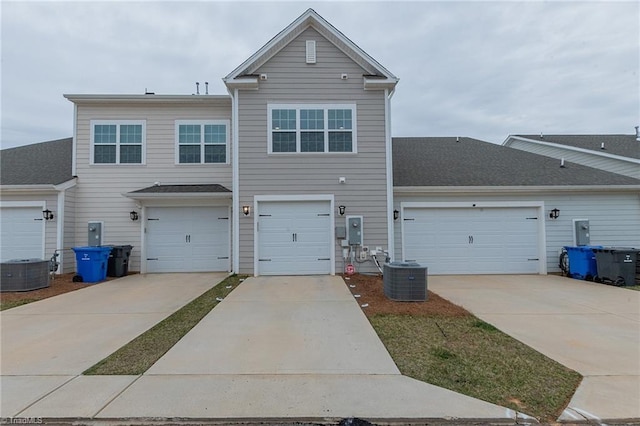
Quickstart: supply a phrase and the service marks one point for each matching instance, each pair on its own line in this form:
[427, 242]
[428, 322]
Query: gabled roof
[311, 18]
[622, 145]
[45, 163]
[442, 161]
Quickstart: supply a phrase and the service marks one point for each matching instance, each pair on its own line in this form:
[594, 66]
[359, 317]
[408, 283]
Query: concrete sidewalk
[275, 348]
[591, 328]
[46, 344]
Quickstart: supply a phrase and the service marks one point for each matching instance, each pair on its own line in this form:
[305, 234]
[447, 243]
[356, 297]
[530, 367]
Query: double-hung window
[201, 142]
[312, 128]
[117, 142]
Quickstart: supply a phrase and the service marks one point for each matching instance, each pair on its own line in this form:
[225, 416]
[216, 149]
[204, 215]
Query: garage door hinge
[324, 214]
[152, 258]
[264, 215]
[408, 219]
[264, 260]
[223, 218]
[223, 257]
[152, 219]
[324, 258]
[533, 259]
[532, 218]
[39, 219]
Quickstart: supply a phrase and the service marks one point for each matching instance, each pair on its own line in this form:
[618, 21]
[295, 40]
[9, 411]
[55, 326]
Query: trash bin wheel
[620, 281]
[77, 279]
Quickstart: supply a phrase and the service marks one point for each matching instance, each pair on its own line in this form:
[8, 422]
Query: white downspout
[235, 184]
[60, 230]
[389, 160]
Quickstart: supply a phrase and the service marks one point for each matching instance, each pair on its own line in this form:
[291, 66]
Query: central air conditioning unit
[405, 282]
[24, 274]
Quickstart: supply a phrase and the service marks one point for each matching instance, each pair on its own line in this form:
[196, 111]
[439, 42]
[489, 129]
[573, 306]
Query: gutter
[474, 190]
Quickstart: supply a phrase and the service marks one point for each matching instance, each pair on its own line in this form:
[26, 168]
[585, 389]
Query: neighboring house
[613, 153]
[269, 179]
[466, 206]
[34, 179]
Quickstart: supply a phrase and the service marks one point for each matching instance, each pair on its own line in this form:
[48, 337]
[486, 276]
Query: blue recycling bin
[582, 262]
[91, 263]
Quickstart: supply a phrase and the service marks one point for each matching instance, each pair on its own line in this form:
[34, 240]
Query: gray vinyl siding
[69, 231]
[100, 187]
[614, 218]
[620, 166]
[290, 80]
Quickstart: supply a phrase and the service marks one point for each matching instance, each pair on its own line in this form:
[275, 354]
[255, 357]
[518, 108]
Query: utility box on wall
[94, 232]
[582, 232]
[354, 230]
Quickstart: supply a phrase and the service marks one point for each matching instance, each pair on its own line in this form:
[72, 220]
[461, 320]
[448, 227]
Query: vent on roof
[311, 51]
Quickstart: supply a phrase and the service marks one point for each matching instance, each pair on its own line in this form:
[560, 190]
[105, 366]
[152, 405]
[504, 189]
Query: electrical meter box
[94, 231]
[582, 232]
[354, 230]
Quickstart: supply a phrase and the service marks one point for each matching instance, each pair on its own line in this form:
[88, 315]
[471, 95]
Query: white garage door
[187, 239]
[472, 241]
[22, 233]
[294, 238]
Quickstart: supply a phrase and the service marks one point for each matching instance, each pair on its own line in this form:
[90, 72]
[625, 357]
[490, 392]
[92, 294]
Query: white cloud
[478, 69]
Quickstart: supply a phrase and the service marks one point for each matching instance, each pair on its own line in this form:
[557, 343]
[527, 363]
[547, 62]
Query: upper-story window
[200, 142]
[312, 128]
[117, 142]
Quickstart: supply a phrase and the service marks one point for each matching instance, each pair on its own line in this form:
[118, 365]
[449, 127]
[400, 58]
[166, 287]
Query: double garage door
[187, 239]
[472, 240]
[294, 238]
[22, 233]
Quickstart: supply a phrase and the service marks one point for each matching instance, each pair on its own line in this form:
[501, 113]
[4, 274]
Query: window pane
[340, 142]
[215, 133]
[283, 119]
[189, 133]
[131, 133]
[104, 154]
[104, 133]
[312, 141]
[284, 142]
[311, 119]
[189, 154]
[131, 154]
[215, 154]
[340, 119]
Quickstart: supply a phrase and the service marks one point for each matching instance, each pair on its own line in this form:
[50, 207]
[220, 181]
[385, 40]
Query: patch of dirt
[62, 283]
[371, 291]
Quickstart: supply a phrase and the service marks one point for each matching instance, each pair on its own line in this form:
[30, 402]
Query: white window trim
[201, 123]
[326, 130]
[118, 123]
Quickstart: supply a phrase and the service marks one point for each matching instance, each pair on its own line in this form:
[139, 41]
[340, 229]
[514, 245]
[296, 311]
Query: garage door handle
[470, 239]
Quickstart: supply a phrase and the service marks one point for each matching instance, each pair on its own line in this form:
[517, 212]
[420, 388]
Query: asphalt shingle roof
[37, 164]
[441, 161]
[173, 189]
[624, 145]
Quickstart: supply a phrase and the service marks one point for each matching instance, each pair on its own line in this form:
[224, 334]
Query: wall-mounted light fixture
[47, 214]
[554, 214]
[246, 210]
[341, 210]
[133, 215]
[396, 214]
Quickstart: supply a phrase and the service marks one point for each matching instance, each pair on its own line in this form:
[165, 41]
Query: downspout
[73, 141]
[235, 184]
[60, 231]
[389, 160]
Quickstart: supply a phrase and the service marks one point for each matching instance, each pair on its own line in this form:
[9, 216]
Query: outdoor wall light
[133, 215]
[554, 214]
[341, 210]
[47, 214]
[396, 214]
[246, 210]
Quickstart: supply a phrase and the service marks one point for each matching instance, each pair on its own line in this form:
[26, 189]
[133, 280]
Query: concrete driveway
[47, 343]
[276, 347]
[591, 328]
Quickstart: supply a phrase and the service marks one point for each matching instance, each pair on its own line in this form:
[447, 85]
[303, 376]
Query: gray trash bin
[118, 265]
[616, 265]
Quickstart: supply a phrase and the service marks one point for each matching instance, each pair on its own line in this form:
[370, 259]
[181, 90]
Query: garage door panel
[468, 241]
[22, 230]
[294, 238]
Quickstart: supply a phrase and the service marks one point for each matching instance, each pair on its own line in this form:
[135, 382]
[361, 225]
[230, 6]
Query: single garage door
[472, 241]
[22, 233]
[294, 238]
[187, 239]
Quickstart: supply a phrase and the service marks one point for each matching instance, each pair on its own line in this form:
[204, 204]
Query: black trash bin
[616, 265]
[118, 265]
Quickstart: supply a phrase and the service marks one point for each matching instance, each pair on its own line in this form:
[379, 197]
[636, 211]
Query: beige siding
[100, 187]
[614, 218]
[614, 165]
[291, 80]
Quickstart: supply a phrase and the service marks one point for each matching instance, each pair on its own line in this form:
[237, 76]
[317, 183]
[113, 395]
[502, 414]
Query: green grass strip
[141, 353]
[474, 358]
[14, 303]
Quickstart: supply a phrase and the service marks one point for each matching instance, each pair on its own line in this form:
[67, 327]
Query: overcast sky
[476, 69]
